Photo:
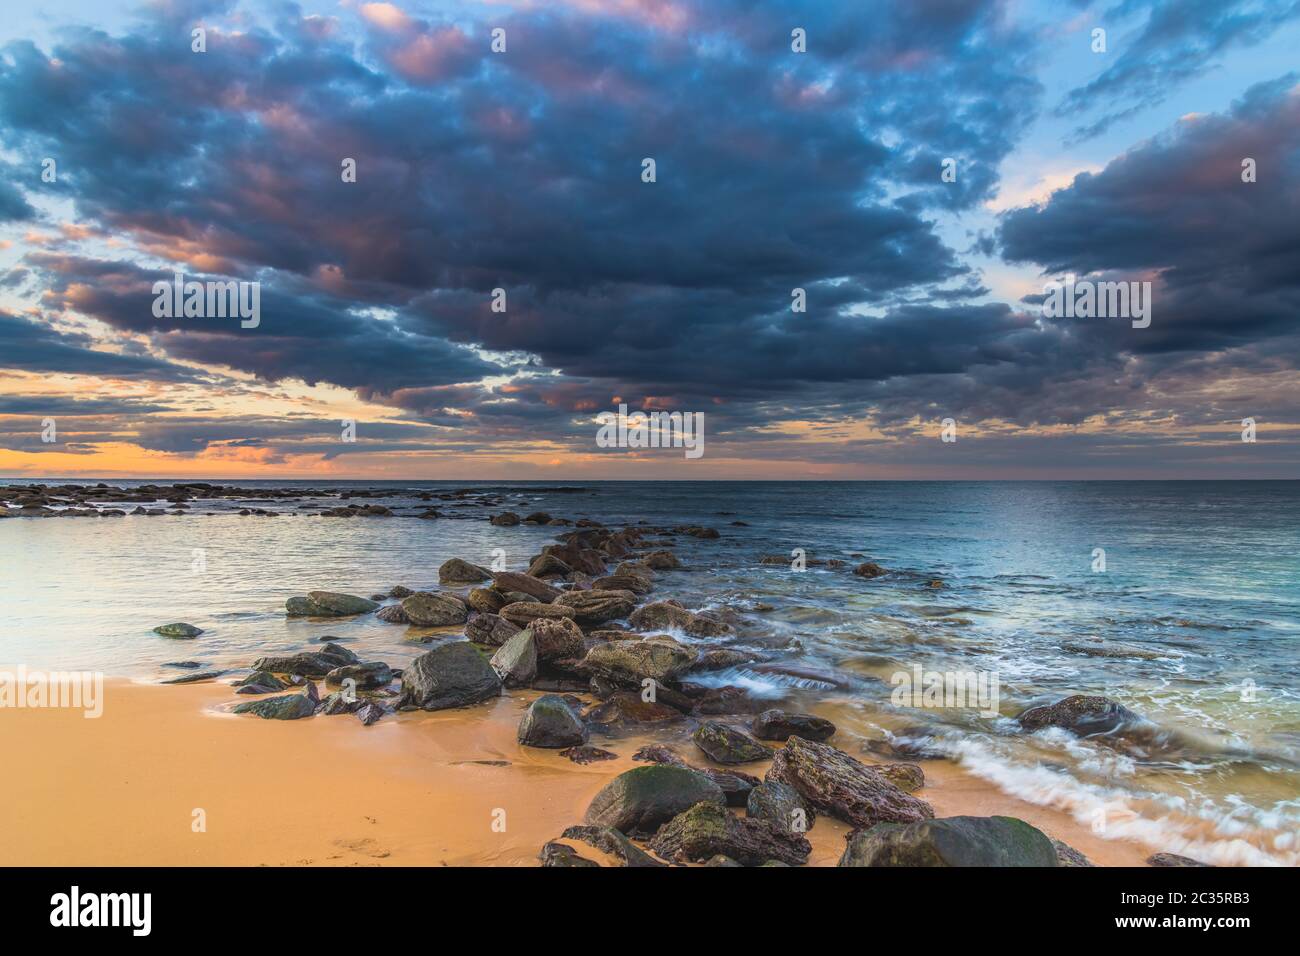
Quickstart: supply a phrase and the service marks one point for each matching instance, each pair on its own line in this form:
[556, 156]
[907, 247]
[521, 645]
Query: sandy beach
[418, 789]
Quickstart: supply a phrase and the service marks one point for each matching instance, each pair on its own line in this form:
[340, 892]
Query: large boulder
[551, 722]
[507, 581]
[178, 630]
[429, 609]
[1080, 714]
[596, 607]
[523, 613]
[844, 788]
[780, 725]
[457, 571]
[707, 829]
[489, 629]
[641, 800]
[726, 745]
[951, 841]
[516, 660]
[451, 675]
[659, 658]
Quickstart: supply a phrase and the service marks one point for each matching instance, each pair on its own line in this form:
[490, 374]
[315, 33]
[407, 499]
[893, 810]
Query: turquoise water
[1201, 578]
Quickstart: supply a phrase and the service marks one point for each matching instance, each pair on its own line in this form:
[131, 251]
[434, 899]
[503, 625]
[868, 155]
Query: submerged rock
[1080, 714]
[951, 841]
[869, 570]
[641, 800]
[727, 745]
[178, 630]
[429, 609]
[451, 675]
[550, 722]
[707, 829]
[780, 725]
[842, 787]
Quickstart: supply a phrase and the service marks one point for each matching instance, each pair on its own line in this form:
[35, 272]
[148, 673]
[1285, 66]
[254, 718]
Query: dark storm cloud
[36, 347]
[1179, 40]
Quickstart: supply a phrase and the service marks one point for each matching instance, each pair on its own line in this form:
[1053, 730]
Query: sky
[127, 156]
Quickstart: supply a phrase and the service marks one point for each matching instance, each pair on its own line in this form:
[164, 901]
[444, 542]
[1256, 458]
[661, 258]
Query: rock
[722, 860]
[537, 517]
[587, 754]
[456, 571]
[369, 712]
[194, 678]
[507, 581]
[489, 629]
[596, 607]
[726, 745]
[905, 776]
[869, 570]
[707, 829]
[550, 722]
[368, 676]
[557, 639]
[185, 664]
[727, 700]
[638, 569]
[627, 709]
[341, 605]
[400, 591]
[639, 801]
[545, 565]
[260, 682]
[658, 658]
[179, 630]
[1079, 714]
[450, 675]
[611, 841]
[560, 854]
[720, 659]
[516, 660]
[1113, 649]
[287, 707]
[339, 703]
[622, 582]
[1172, 859]
[392, 614]
[309, 664]
[485, 600]
[523, 613]
[780, 804]
[951, 841]
[735, 786]
[665, 615]
[507, 519]
[304, 607]
[661, 561]
[1068, 856]
[780, 725]
[428, 609]
[839, 786]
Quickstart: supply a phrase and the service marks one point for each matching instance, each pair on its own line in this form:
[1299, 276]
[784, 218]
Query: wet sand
[415, 789]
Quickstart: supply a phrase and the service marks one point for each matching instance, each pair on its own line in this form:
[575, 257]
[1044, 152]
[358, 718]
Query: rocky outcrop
[951, 841]
[707, 829]
[641, 800]
[842, 787]
[780, 725]
[451, 675]
[429, 609]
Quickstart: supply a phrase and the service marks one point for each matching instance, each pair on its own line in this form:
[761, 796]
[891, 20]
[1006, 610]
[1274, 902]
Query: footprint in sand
[365, 846]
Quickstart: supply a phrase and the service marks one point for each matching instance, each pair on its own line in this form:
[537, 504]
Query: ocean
[1179, 600]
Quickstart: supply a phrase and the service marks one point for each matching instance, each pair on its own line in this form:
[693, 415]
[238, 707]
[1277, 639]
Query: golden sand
[450, 788]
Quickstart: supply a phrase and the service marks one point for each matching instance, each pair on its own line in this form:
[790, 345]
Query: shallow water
[1202, 578]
